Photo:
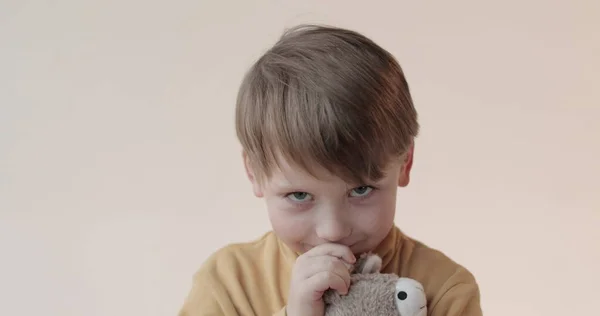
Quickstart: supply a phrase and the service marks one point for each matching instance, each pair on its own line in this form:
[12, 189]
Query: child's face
[306, 211]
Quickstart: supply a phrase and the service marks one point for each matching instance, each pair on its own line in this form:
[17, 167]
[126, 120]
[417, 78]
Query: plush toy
[374, 293]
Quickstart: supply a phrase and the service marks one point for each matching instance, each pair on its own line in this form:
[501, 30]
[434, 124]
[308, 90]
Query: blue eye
[299, 196]
[361, 191]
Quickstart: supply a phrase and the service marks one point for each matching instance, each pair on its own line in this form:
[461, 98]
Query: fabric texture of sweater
[253, 278]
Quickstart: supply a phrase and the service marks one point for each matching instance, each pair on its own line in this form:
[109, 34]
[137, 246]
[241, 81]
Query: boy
[327, 124]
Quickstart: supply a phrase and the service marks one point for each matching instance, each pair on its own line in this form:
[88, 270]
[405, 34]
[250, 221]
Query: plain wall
[120, 171]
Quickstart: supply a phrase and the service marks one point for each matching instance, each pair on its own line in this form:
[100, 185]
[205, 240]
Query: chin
[359, 250]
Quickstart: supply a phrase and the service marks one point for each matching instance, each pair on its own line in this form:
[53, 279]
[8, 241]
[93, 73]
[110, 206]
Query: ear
[370, 263]
[404, 177]
[256, 187]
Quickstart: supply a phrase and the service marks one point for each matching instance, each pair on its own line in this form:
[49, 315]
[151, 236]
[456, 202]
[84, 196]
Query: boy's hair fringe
[329, 97]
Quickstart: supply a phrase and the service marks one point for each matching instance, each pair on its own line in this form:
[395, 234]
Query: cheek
[288, 225]
[376, 216]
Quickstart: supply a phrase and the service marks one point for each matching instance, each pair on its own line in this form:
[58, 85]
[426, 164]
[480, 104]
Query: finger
[344, 273]
[336, 250]
[314, 265]
[333, 265]
[323, 281]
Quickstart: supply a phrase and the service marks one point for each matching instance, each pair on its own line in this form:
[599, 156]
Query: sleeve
[209, 297]
[459, 296]
[206, 299]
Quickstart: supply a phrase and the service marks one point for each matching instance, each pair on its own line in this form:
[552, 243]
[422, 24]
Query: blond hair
[329, 97]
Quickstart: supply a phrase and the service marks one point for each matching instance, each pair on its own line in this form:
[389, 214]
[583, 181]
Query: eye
[299, 196]
[361, 191]
[402, 295]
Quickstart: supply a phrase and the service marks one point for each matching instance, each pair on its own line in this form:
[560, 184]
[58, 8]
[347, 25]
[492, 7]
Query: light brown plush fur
[370, 293]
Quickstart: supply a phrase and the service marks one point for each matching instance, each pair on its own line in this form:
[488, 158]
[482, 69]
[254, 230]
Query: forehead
[289, 174]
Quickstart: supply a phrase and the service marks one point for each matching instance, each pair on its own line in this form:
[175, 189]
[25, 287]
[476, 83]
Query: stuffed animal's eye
[402, 295]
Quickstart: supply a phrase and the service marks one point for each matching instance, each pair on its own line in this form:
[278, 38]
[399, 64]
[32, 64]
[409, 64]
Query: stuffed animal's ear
[368, 263]
[331, 297]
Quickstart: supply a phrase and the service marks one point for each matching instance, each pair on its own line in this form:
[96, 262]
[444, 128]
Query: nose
[333, 227]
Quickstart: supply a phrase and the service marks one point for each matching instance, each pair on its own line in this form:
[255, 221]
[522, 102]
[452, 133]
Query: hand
[324, 267]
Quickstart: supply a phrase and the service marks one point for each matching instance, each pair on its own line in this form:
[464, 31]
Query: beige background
[120, 172]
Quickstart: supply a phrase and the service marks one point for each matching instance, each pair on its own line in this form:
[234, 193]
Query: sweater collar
[390, 247]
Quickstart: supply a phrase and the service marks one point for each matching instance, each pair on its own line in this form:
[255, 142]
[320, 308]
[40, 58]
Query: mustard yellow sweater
[253, 278]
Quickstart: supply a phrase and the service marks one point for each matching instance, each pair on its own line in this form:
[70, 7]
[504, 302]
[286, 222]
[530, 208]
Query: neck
[389, 248]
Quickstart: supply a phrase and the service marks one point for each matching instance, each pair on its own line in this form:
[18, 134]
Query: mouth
[422, 307]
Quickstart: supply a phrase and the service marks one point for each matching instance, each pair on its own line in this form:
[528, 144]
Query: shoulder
[451, 288]
[235, 258]
[430, 264]
[227, 281]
